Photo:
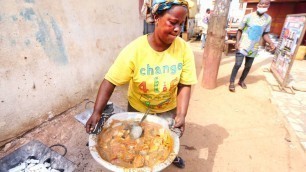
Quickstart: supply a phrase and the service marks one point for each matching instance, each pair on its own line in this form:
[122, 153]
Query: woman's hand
[92, 121]
[180, 123]
[105, 91]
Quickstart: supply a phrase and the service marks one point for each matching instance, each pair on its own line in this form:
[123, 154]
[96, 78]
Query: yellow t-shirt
[153, 76]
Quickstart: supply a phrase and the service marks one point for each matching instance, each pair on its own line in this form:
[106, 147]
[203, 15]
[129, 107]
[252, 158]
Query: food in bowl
[116, 146]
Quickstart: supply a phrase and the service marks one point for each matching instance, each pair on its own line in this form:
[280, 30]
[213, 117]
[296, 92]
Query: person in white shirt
[205, 22]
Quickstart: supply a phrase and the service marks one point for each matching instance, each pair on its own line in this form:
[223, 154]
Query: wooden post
[215, 43]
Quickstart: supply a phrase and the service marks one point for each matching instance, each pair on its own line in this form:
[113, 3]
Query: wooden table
[231, 35]
[227, 45]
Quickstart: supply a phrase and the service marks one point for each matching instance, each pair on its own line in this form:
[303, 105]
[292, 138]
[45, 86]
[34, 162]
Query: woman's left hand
[180, 123]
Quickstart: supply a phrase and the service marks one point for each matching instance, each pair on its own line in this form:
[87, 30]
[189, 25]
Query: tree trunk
[214, 43]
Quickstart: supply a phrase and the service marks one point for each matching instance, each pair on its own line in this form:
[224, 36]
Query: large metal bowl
[134, 116]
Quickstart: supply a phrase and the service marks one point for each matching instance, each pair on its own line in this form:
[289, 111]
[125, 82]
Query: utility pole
[215, 43]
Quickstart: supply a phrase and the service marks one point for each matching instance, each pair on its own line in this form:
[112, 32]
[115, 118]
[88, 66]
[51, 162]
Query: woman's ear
[156, 19]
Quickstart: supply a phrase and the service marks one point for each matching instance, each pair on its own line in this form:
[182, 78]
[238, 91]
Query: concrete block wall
[54, 54]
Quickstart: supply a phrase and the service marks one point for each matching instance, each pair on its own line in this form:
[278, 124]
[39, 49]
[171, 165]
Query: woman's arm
[183, 97]
[105, 91]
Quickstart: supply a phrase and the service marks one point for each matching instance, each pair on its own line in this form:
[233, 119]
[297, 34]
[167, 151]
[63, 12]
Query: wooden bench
[227, 45]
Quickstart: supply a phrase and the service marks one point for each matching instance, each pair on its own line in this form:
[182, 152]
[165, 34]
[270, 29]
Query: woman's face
[169, 25]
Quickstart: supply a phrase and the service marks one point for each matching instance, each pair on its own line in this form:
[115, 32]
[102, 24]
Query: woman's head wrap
[157, 6]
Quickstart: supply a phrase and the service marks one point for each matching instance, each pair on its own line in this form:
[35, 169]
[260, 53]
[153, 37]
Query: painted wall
[194, 9]
[55, 53]
[236, 11]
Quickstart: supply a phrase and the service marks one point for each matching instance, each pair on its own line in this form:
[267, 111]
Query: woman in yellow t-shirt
[159, 68]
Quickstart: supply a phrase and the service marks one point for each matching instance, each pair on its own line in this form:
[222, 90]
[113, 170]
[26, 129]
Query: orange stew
[117, 147]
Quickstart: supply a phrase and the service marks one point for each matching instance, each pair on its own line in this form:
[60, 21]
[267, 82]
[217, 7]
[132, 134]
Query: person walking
[205, 27]
[253, 26]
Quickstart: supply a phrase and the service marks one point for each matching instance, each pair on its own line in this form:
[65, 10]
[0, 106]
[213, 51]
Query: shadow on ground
[199, 146]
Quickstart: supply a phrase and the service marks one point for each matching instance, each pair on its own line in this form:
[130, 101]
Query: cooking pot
[107, 166]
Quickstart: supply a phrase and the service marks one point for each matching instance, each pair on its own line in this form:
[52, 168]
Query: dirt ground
[232, 132]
